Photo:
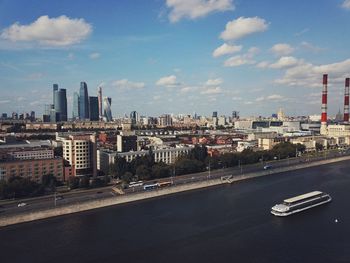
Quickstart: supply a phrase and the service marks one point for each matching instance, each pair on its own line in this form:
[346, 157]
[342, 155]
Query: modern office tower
[93, 106]
[235, 114]
[61, 104]
[4, 116]
[75, 112]
[54, 116]
[54, 89]
[100, 107]
[134, 117]
[14, 115]
[215, 114]
[32, 115]
[83, 102]
[107, 108]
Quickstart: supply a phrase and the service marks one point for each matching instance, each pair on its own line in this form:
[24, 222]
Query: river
[229, 223]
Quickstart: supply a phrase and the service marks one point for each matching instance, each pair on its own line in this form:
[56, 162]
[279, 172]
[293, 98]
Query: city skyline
[226, 55]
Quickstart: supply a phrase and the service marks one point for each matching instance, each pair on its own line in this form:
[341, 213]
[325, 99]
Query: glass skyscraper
[107, 108]
[93, 101]
[61, 104]
[75, 113]
[83, 102]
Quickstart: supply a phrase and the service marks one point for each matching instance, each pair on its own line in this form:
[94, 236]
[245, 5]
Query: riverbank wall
[122, 199]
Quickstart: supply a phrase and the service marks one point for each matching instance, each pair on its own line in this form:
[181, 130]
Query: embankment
[121, 199]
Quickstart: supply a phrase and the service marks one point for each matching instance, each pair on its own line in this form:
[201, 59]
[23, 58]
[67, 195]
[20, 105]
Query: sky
[176, 56]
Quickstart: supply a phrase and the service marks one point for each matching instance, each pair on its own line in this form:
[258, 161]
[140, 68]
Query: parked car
[21, 204]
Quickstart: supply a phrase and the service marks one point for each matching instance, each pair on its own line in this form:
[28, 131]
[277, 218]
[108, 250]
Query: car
[21, 204]
[266, 167]
[59, 197]
[99, 192]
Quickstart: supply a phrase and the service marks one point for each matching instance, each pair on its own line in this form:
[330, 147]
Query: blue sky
[176, 56]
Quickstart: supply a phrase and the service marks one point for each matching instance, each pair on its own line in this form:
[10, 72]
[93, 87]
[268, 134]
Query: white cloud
[285, 62]
[282, 49]
[309, 75]
[263, 64]
[4, 101]
[126, 84]
[273, 97]
[346, 4]
[211, 91]
[242, 27]
[94, 55]
[156, 97]
[35, 76]
[193, 9]
[238, 61]
[167, 81]
[237, 98]
[226, 49]
[58, 32]
[310, 47]
[214, 82]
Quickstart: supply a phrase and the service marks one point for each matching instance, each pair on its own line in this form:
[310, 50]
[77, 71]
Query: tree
[319, 147]
[143, 172]
[73, 182]
[127, 177]
[187, 166]
[199, 153]
[48, 180]
[119, 167]
[161, 170]
[84, 182]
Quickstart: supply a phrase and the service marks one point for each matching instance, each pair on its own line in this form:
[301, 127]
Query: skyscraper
[83, 102]
[93, 106]
[100, 108]
[134, 117]
[75, 113]
[54, 89]
[61, 104]
[107, 108]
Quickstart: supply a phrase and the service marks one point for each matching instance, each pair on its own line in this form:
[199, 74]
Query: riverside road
[228, 223]
[8, 208]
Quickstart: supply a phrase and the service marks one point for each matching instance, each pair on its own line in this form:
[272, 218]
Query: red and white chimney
[346, 101]
[324, 105]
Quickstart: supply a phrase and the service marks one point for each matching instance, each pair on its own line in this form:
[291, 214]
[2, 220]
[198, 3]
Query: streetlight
[55, 199]
[240, 165]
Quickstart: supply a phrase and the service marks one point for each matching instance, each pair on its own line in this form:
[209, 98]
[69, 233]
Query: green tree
[119, 167]
[127, 177]
[73, 182]
[319, 147]
[161, 170]
[48, 180]
[143, 172]
[84, 182]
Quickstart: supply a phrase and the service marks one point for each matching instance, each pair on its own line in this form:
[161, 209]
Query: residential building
[80, 152]
[126, 143]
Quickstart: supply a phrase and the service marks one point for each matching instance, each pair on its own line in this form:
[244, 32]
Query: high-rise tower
[93, 104]
[75, 113]
[83, 102]
[107, 108]
[99, 96]
[61, 104]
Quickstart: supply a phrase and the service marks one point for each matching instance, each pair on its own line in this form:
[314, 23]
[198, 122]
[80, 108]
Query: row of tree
[197, 160]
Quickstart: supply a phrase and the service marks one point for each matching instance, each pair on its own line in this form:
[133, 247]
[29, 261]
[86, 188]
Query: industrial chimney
[323, 130]
[346, 101]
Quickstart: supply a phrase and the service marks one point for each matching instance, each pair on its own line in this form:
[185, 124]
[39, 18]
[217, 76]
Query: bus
[150, 186]
[135, 184]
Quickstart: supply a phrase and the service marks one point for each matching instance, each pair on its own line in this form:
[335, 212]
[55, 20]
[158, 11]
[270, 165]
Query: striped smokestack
[324, 101]
[346, 101]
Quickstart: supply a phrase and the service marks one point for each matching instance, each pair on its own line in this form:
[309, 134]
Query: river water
[230, 223]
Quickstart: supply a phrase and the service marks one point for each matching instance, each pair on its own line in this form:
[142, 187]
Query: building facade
[80, 152]
[83, 102]
[93, 107]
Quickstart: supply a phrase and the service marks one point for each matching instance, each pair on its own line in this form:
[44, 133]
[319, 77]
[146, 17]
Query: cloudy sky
[176, 56]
